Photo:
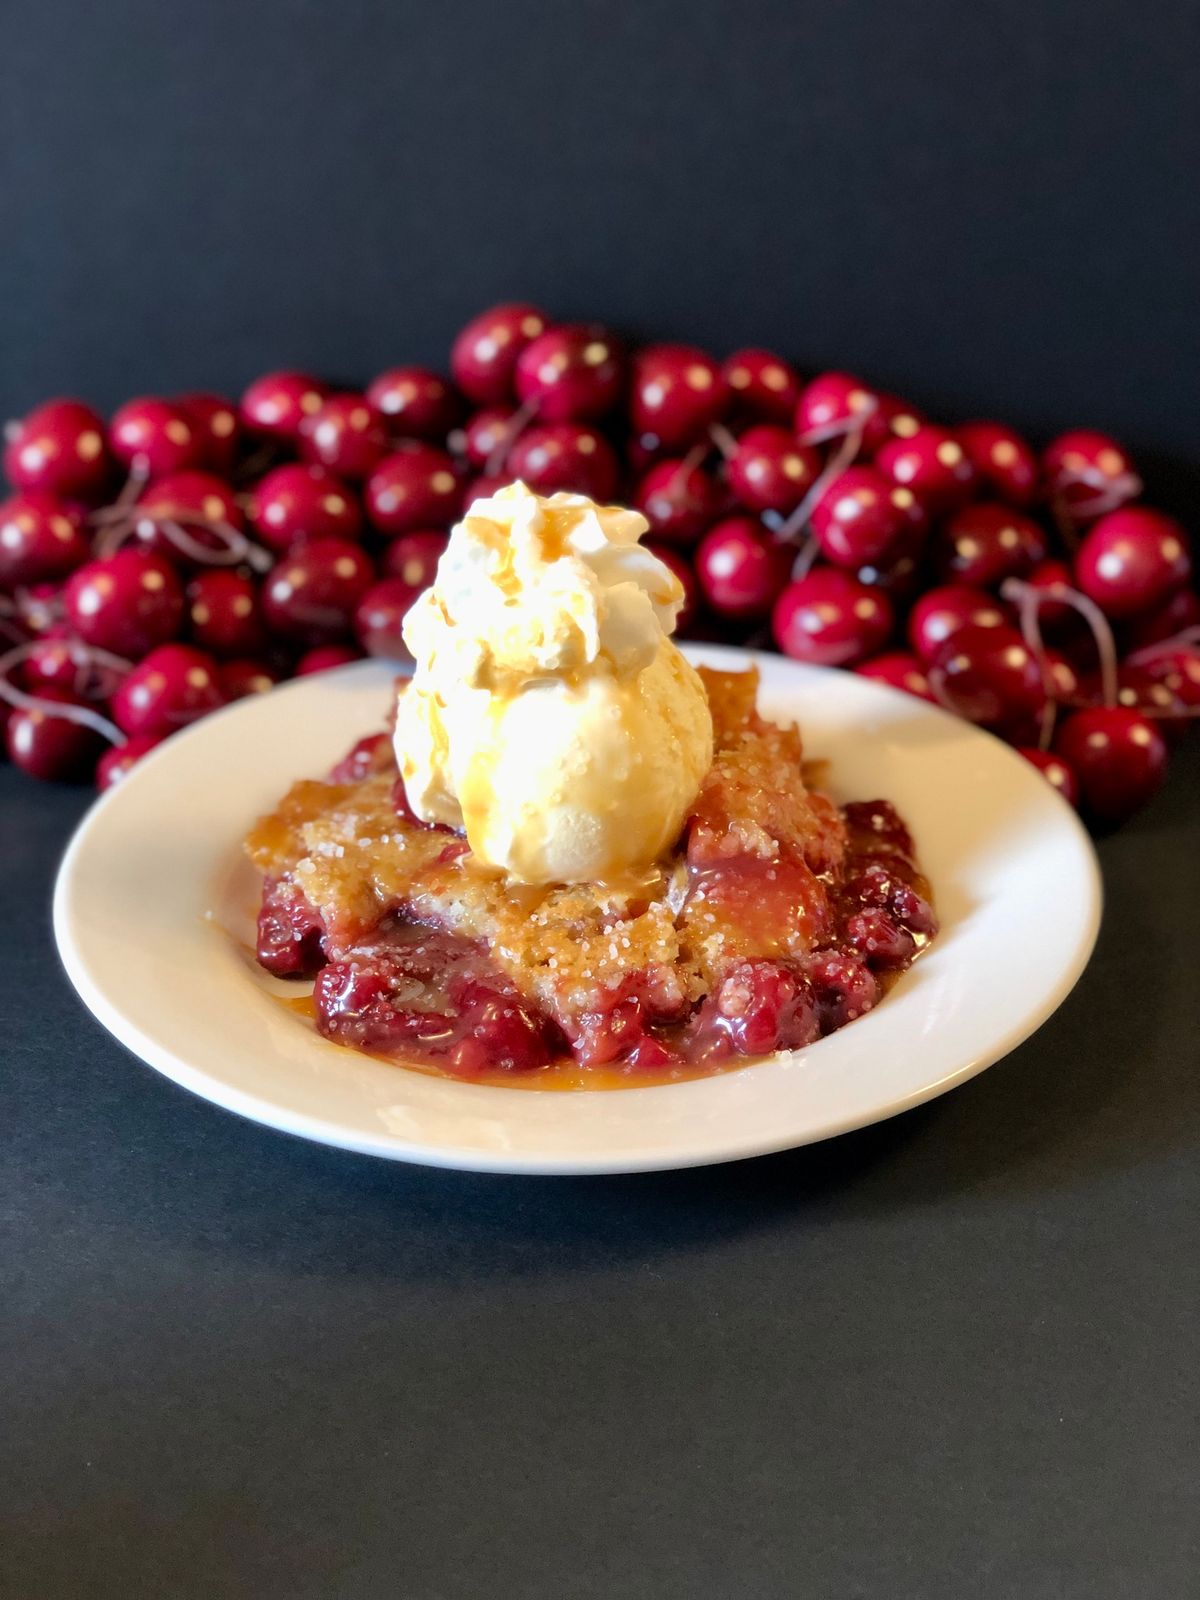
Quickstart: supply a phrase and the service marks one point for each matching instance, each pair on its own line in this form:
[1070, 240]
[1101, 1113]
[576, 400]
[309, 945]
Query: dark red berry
[417, 403]
[345, 434]
[245, 677]
[1055, 770]
[174, 686]
[485, 353]
[223, 613]
[279, 402]
[938, 615]
[52, 747]
[741, 569]
[769, 471]
[836, 403]
[41, 539]
[1119, 758]
[678, 500]
[379, 617]
[762, 386]
[215, 423]
[414, 557]
[830, 619]
[153, 437]
[119, 760]
[931, 463]
[296, 503]
[675, 394]
[325, 658]
[571, 373]
[899, 670]
[565, 456]
[414, 487]
[861, 518]
[984, 543]
[1005, 463]
[127, 603]
[483, 434]
[310, 594]
[988, 675]
[1132, 561]
[59, 448]
[1088, 473]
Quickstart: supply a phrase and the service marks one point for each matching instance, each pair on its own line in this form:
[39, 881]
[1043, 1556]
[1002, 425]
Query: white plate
[153, 886]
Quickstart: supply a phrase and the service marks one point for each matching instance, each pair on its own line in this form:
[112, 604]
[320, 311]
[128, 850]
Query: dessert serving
[578, 861]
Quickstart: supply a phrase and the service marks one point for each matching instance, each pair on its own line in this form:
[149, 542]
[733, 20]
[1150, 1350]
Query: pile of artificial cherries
[192, 551]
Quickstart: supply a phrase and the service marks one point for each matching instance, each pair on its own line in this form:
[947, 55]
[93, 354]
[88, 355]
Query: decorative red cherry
[279, 402]
[769, 471]
[224, 615]
[127, 603]
[1089, 473]
[199, 503]
[215, 423]
[1181, 612]
[297, 502]
[571, 374]
[1048, 578]
[59, 448]
[39, 609]
[1133, 560]
[741, 569]
[325, 657]
[1118, 756]
[565, 456]
[763, 387]
[675, 394]
[310, 594]
[1141, 690]
[988, 675]
[1056, 771]
[119, 761]
[174, 686]
[54, 662]
[931, 463]
[679, 500]
[52, 747]
[861, 517]
[899, 669]
[485, 353]
[345, 434]
[687, 578]
[245, 676]
[417, 403]
[414, 557]
[1005, 462]
[939, 614]
[830, 619]
[837, 403]
[415, 487]
[379, 616]
[894, 418]
[483, 434]
[984, 543]
[152, 437]
[41, 539]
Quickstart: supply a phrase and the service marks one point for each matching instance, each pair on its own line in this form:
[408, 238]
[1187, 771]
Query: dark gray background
[954, 1355]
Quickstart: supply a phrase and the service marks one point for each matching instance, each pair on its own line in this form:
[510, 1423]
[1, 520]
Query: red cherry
[215, 423]
[900, 573]
[833, 404]
[245, 677]
[769, 471]
[932, 464]
[676, 393]
[415, 487]
[1178, 672]
[39, 609]
[127, 603]
[988, 675]
[1055, 770]
[191, 499]
[41, 539]
[52, 747]
[417, 403]
[152, 437]
[1047, 577]
[345, 434]
[683, 571]
[295, 503]
[677, 500]
[1089, 473]
[1179, 614]
[1133, 560]
[899, 670]
[279, 402]
[565, 456]
[940, 613]
[310, 594]
[1138, 689]
[482, 435]
[1118, 756]
[119, 761]
[763, 386]
[894, 419]
[485, 353]
[224, 615]
[414, 557]
[1004, 461]
[54, 662]
[830, 619]
[59, 448]
[984, 543]
[175, 685]
[861, 517]
[572, 374]
[325, 658]
[379, 616]
[740, 569]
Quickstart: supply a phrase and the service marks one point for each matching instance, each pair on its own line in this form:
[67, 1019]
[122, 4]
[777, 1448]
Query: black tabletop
[950, 1355]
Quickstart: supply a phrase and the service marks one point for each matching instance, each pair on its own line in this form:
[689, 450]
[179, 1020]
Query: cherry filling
[290, 932]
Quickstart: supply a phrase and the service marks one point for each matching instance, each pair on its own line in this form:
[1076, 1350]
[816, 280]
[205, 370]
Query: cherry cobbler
[774, 917]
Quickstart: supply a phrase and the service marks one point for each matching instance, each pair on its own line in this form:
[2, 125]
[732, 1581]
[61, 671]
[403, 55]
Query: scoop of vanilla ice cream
[549, 715]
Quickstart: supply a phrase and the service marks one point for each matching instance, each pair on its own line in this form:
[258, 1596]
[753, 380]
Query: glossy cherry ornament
[932, 464]
[769, 471]
[379, 617]
[152, 437]
[174, 686]
[60, 448]
[984, 543]
[119, 761]
[1133, 560]
[418, 403]
[298, 502]
[414, 557]
[1056, 771]
[571, 373]
[51, 747]
[741, 570]
[679, 499]
[940, 613]
[1051, 577]
[484, 355]
[223, 613]
[41, 539]
[1004, 461]
[676, 393]
[414, 487]
[861, 517]
[565, 456]
[278, 403]
[831, 620]
[346, 434]
[988, 675]
[1119, 758]
[128, 602]
[1088, 474]
[763, 387]
[899, 669]
[834, 404]
[311, 593]
[204, 509]
[484, 433]
[215, 423]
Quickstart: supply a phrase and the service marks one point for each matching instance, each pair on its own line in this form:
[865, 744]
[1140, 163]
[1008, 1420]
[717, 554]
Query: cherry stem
[509, 434]
[1015, 589]
[84, 716]
[118, 524]
[725, 441]
[837, 463]
[1166, 647]
[806, 554]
